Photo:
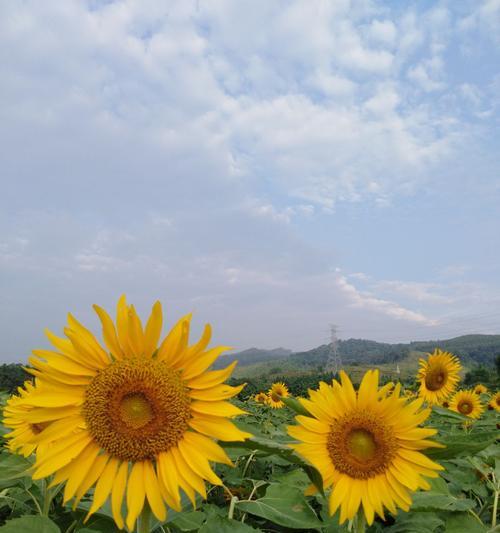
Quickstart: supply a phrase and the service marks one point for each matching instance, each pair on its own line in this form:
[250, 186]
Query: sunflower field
[138, 433]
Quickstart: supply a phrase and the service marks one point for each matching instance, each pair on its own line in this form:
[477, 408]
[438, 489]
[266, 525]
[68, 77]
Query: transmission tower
[334, 361]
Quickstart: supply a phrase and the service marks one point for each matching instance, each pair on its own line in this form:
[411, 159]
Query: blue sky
[272, 166]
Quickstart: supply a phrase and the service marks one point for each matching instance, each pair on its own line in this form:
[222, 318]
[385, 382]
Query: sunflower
[136, 416]
[494, 402]
[261, 397]
[386, 389]
[22, 438]
[467, 402]
[276, 392]
[366, 446]
[438, 376]
[480, 389]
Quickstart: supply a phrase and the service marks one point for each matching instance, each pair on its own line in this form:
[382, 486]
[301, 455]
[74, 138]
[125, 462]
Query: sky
[273, 167]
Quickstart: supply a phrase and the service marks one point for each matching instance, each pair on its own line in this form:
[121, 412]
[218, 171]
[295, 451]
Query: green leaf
[296, 406]
[189, 520]
[462, 444]
[416, 523]
[219, 524]
[30, 524]
[13, 467]
[460, 522]
[447, 413]
[423, 501]
[285, 506]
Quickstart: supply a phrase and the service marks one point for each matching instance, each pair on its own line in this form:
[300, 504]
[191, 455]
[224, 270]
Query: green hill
[360, 354]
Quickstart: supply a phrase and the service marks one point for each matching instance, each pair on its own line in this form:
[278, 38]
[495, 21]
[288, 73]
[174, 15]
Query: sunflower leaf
[285, 506]
[30, 524]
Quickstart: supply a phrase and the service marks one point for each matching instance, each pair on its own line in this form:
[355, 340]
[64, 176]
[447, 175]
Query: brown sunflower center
[497, 399]
[435, 378]
[361, 445]
[465, 408]
[38, 427]
[136, 408]
[275, 396]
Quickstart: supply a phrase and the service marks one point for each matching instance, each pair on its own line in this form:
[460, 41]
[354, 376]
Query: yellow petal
[119, 485]
[175, 343]
[210, 449]
[168, 474]
[122, 326]
[104, 486]
[136, 492]
[198, 365]
[197, 462]
[84, 463]
[216, 408]
[109, 333]
[211, 378]
[135, 332]
[219, 428]
[153, 330]
[153, 492]
[92, 476]
[219, 392]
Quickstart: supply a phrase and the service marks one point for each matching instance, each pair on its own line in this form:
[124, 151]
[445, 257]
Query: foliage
[265, 490]
[12, 376]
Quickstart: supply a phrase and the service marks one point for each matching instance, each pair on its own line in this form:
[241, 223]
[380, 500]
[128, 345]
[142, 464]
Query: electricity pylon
[334, 360]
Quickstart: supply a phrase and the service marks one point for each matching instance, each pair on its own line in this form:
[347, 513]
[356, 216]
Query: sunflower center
[497, 399]
[38, 427]
[361, 445]
[136, 408]
[435, 378]
[465, 408]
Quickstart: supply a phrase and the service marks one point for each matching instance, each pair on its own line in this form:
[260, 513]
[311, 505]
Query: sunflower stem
[47, 498]
[495, 509]
[359, 522]
[143, 525]
[230, 514]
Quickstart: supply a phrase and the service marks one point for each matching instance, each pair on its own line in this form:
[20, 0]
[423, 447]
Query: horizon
[274, 168]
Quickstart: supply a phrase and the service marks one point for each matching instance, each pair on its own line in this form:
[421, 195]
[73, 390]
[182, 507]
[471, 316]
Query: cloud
[204, 152]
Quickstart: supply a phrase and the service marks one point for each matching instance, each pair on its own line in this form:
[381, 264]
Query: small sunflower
[261, 397]
[480, 389]
[276, 392]
[22, 438]
[367, 447]
[494, 402]
[136, 416]
[467, 403]
[386, 389]
[438, 376]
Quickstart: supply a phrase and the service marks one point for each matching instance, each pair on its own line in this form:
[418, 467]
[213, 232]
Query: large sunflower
[136, 416]
[276, 392]
[438, 376]
[366, 446]
[467, 402]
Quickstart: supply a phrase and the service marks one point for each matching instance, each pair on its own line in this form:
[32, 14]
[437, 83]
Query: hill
[359, 354]
[252, 356]
[472, 349]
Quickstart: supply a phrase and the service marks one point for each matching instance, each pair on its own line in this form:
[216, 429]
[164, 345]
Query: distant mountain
[479, 349]
[252, 356]
[472, 349]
